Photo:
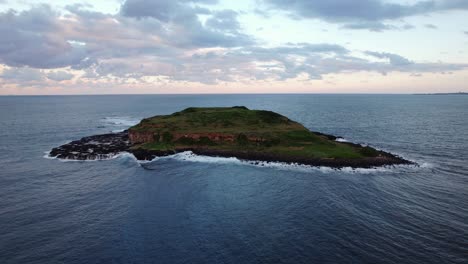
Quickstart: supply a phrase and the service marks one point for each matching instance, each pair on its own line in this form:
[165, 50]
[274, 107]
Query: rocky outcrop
[385, 159]
[139, 137]
[108, 145]
[94, 147]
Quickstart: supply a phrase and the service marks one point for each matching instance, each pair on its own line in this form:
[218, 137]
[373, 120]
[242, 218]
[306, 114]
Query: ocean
[194, 209]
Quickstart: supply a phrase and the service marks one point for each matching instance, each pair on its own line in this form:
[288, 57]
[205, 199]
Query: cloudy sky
[225, 46]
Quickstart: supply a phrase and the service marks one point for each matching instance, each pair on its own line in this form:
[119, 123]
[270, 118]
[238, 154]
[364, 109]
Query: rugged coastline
[284, 141]
[93, 147]
[108, 145]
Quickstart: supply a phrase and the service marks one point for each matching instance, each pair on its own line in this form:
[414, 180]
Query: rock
[94, 147]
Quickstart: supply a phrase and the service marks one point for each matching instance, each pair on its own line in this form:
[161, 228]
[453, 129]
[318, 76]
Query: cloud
[141, 44]
[181, 21]
[29, 39]
[430, 26]
[22, 75]
[43, 38]
[394, 59]
[376, 26]
[466, 32]
[225, 20]
[165, 10]
[359, 13]
[26, 75]
[60, 76]
[370, 25]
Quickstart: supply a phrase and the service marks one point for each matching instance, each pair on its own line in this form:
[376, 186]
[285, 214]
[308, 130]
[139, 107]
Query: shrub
[270, 117]
[156, 137]
[242, 140]
[270, 143]
[206, 141]
[369, 152]
[301, 135]
[240, 107]
[167, 136]
[189, 110]
[227, 123]
[186, 141]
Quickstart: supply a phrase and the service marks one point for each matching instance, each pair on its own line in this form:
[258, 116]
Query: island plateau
[239, 132]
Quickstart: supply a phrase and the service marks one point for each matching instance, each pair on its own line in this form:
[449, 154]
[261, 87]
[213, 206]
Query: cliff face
[216, 137]
[137, 137]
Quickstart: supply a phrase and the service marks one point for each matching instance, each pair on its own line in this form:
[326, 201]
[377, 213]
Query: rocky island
[228, 132]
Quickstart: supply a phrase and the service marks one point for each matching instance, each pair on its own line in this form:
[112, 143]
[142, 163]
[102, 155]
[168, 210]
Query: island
[256, 135]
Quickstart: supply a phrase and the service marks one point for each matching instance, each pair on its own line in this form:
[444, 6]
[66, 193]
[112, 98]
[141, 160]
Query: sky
[225, 46]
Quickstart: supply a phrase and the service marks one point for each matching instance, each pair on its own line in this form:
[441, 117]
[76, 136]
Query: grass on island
[253, 130]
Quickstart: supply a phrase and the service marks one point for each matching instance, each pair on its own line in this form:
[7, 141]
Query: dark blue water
[222, 211]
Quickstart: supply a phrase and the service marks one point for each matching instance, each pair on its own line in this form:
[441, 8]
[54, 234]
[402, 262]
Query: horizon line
[104, 94]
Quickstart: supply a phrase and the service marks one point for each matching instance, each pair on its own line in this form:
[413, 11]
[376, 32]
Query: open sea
[195, 209]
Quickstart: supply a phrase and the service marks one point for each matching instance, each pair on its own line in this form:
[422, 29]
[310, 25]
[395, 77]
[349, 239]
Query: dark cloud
[30, 38]
[165, 10]
[407, 26]
[22, 75]
[370, 25]
[359, 13]
[221, 29]
[431, 26]
[225, 20]
[303, 49]
[43, 38]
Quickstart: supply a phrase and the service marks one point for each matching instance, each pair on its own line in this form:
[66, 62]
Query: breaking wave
[98, 157]
[341, 140]
[189, 156]
[119, 123]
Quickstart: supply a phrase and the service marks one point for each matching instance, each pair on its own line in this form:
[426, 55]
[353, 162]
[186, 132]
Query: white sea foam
[189, 156]
[121, 121]
[100, 157]
[47, 155]
[427, 165]
[341, 140]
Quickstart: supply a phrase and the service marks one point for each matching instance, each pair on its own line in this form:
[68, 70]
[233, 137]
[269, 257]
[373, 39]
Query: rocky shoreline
[108, 145]
[93, 147]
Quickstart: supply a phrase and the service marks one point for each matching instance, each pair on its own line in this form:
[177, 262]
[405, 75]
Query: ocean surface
[194, 209]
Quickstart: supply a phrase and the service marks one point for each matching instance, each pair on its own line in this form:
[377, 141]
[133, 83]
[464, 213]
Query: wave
[189, 156]
[99, 157]
[121, 121]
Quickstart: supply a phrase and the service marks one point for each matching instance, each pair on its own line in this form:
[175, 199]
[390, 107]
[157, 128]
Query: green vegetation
[239, 129]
